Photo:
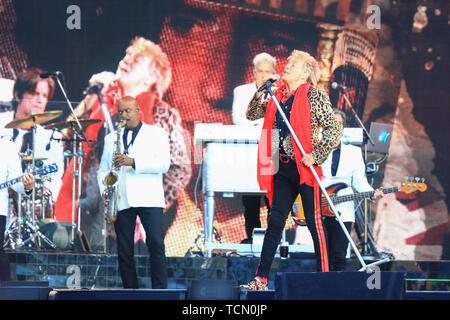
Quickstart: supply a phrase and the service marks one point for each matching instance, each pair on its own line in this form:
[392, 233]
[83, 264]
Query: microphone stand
[108, 128]
[330, 203]
[74, 160]
[108, 122]
[367, 137]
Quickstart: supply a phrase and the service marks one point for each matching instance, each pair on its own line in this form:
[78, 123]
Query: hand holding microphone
[96, 88]
[98, 81]
[268, 83]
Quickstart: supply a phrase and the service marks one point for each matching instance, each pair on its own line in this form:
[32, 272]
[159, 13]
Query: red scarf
[300, 120]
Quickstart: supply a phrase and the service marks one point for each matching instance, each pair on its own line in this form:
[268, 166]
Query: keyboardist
[264, 67]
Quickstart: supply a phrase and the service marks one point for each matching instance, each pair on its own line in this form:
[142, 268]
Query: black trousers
[252, 205]
[337, 242]
[5, 272]
[151, 219]
[286, 189]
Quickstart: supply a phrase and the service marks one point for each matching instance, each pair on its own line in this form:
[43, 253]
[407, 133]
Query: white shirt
[352, 171]
[142, 186]
[242, 95]
[54, 154]
[10, 168]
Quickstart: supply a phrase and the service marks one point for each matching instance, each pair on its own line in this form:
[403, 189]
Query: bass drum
[55, 232]
[43, 203]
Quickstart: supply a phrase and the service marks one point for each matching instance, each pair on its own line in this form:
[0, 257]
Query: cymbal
[30, 158]
[37, 118]
[71, 124]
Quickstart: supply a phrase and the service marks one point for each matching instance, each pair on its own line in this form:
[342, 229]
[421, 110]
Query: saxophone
[111, 181]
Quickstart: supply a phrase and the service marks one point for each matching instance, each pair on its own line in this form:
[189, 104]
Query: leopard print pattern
[321, 117]
[257, 108]
[255, 284]
[180, 172]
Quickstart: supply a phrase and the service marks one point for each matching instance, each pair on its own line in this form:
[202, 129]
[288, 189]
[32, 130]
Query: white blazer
[142, 186]
[351, 170]
[242, 96]
[10, 168]
[54, 154]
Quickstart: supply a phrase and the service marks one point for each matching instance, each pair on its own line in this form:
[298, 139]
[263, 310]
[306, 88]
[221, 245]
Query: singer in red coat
[283, 171]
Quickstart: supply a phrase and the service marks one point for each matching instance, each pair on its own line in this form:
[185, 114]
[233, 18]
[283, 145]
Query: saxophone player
[145, 157]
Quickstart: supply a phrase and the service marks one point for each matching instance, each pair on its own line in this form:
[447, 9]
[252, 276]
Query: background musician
[146, 157]
[344, 164]
[264, 67]
[10, 168]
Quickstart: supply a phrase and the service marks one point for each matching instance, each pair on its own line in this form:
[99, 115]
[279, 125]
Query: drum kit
[31, 222]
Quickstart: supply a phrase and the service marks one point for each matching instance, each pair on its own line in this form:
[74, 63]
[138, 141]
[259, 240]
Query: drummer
[31, 95]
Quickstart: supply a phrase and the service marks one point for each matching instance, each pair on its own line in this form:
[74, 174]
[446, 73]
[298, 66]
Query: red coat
[300, 120]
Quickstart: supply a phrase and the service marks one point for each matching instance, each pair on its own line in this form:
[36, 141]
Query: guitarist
[344, 164]
[10, 168]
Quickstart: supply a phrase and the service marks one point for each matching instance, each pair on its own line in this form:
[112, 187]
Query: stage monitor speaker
[340, 285]
[24, 293]
[119, 294]
[257, 294]
[14, 283]
[427, 295]
[213, 290]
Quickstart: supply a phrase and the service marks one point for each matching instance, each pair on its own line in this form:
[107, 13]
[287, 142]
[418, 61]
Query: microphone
[96, 88]
[336, 86]
[50, 74]
[47, 147]
[269, 83]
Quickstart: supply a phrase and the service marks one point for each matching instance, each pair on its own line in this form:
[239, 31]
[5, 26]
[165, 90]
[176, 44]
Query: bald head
[129, 102]
[128, 109]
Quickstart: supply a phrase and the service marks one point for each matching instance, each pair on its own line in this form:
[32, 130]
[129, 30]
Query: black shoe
[248, 240]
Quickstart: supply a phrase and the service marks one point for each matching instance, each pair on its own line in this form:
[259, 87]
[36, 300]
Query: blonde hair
[310, 65]
[160, 67]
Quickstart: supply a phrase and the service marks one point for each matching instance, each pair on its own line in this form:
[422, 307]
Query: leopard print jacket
[321, 117]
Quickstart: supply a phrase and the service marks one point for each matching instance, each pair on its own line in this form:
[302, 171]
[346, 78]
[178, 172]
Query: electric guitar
[408, 186]
[42, 171]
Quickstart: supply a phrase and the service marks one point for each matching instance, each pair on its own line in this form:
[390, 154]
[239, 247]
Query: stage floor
[100, 271]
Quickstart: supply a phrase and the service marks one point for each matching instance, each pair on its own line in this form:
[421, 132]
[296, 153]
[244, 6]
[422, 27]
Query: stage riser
[100, 271]
[300, 289]
[117, 295]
